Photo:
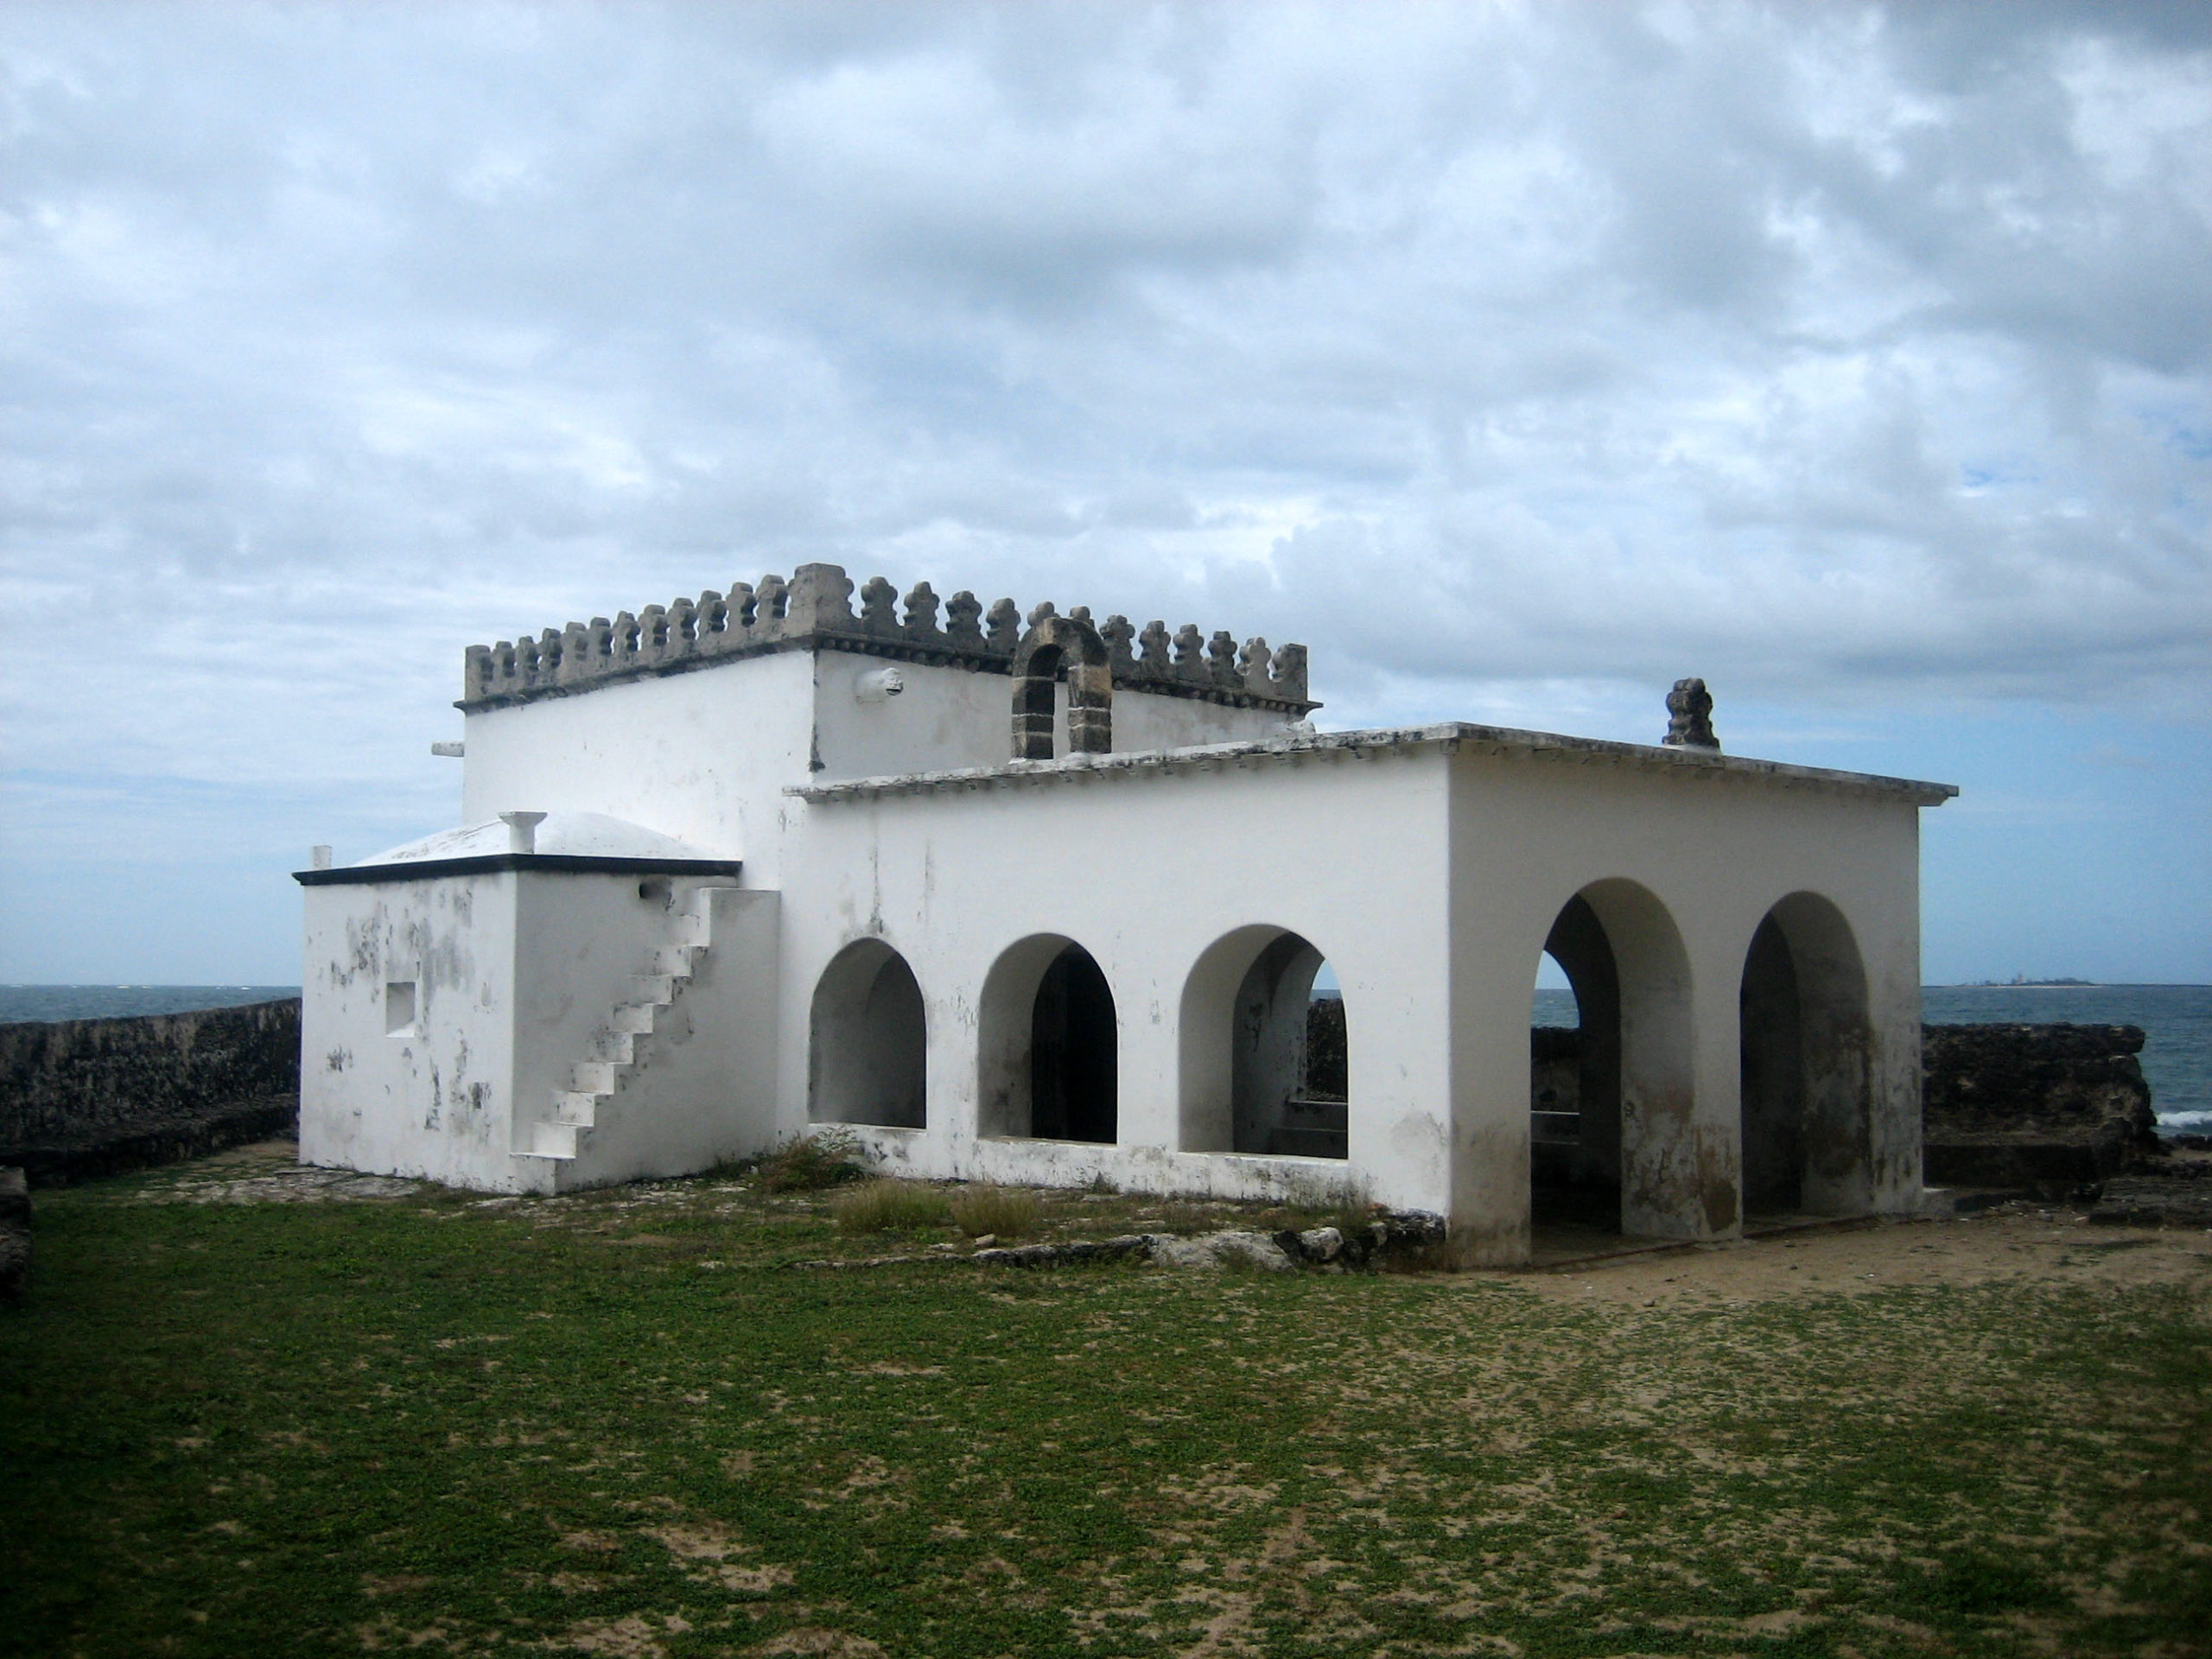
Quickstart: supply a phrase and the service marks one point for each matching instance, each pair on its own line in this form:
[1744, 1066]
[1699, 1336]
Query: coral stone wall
[84, 1096]
[2026, 1105]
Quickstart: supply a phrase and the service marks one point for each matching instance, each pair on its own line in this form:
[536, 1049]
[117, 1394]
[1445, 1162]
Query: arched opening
[1574, 1077]
[1048, 1044]
[868, 1036]
[1056, 645]
[1265, 1049]
[1807, 1118]
[1611, 1145]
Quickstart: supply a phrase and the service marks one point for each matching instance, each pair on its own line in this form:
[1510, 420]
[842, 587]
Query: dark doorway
[1072, 1052]
[1575, 1073]
[1773, 1076]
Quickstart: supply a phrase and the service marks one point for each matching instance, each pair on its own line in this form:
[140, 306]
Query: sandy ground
[2016, 1241]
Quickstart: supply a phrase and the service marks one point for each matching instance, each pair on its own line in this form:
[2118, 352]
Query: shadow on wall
[868, 1041]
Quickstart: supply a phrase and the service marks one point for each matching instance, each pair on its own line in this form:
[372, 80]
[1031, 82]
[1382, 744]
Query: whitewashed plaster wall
[1429, 880]
[1144, 872]
[1713, 852]
[705, 756]
[947, 718]
[432, 1095]
[515, 976]
[702, 1085]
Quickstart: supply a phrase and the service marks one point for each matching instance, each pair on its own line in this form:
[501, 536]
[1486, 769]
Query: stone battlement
[813, 611]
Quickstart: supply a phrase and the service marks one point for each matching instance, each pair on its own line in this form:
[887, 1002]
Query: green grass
[615, 1424]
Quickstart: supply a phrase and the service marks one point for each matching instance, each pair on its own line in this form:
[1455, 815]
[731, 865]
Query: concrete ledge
[1451, 737]
[149, 1142]
[2027, 1158]
[425, 869]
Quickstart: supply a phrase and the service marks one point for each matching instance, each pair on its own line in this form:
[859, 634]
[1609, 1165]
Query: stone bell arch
[1054, 644]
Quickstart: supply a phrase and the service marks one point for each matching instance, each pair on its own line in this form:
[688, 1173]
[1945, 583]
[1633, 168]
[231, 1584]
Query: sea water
[2177, 1022]
[22, 1002]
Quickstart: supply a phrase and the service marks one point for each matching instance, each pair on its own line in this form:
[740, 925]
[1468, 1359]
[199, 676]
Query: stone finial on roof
[961, 628]
[879, 608]
[921, 615]
[1689, 723]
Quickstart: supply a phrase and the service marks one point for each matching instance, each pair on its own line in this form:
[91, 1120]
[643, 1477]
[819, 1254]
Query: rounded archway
[1806, 1115]
[1054, 646]
[867, 1037]
[1615, 1160]
[1048, 1044]
[1265, 1057]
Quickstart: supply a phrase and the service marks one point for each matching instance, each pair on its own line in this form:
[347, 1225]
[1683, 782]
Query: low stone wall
[85, 1098]
[2012, 1107]
[2033, 1106]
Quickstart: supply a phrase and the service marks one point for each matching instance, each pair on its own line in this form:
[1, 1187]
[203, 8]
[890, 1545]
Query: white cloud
[1502, 354]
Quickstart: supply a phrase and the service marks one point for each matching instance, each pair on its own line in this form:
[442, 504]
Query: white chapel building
[1044, 900]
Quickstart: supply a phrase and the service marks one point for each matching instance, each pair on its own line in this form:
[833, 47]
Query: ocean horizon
[2177, 1020]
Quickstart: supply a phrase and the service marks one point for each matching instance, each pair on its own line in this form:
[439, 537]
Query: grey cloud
[1824, 347]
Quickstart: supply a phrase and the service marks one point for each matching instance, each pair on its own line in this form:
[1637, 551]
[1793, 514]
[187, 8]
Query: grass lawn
[619, 1423]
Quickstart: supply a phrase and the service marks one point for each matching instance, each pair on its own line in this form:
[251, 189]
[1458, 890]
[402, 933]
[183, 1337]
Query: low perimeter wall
[85, 1098]
[2005, 1105]
[2031, 1106]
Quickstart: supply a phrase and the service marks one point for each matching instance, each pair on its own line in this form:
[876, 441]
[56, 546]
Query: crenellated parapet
[814, 611]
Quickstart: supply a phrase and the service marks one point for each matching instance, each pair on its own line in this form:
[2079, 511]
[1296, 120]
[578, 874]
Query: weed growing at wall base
[1001, 1212]
[621, 1423]
[808, 1163]
[884, 1205]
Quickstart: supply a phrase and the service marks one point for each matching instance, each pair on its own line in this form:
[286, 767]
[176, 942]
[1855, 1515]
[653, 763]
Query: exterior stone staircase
[619, 1043]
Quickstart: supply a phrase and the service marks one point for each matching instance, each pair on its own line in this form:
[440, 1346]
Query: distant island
[2021, 982]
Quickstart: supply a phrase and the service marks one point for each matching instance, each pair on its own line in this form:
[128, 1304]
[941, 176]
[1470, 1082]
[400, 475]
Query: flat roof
[1450, 736]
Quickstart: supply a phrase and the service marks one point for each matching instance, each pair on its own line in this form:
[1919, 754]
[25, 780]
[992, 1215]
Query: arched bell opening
[1804, 1057]
[1049, 1044]
[1265, 1049]
[1060, 646]
[867, 1039]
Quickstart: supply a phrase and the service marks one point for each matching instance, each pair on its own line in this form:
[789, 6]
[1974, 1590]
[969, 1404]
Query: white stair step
[553, 1140]
[652, 989]
[616, 1047]
[691, 931]
[592, 1077]
[675, 961]
[636, 1018]
[575, 1109]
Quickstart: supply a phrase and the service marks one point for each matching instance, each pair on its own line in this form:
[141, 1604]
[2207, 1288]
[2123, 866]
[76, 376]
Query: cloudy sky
[1519, 358]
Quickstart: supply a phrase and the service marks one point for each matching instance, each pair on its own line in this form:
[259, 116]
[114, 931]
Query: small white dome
[574, 834]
